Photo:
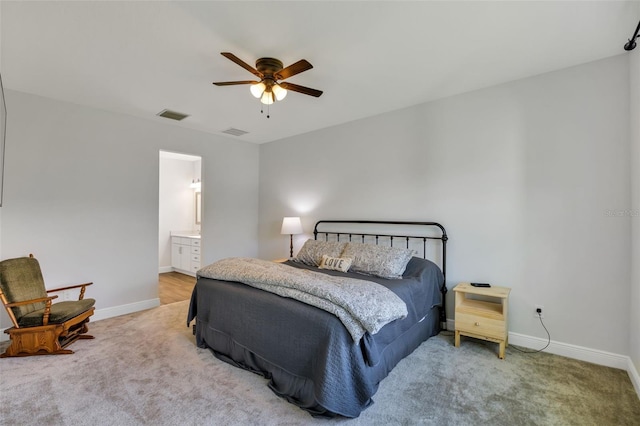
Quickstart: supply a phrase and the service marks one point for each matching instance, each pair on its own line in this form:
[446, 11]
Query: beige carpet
[144, 368]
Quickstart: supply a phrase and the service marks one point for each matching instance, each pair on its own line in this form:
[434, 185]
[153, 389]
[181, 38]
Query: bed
[308, 355]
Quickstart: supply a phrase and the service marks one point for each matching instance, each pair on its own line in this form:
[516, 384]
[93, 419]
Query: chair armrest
[28, 302]
[80, 286]
[68, 288]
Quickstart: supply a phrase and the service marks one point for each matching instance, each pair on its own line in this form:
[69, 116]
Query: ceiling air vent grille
[234, 132]
[173, 115]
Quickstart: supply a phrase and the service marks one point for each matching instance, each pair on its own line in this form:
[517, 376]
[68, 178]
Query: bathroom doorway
[180, 219]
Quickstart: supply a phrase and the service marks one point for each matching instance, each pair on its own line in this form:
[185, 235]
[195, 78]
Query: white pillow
[381, 261]
[341, 264]
[312, 251]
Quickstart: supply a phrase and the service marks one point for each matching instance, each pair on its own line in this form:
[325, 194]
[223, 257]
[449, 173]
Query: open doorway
[179, 224]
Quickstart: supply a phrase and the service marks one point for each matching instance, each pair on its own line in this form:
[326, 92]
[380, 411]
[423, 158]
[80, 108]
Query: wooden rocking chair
[40, 327]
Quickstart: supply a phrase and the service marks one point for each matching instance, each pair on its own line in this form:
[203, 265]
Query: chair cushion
[20, 280]
[60, 312]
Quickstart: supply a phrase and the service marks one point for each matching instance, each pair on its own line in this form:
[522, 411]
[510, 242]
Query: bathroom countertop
[186, 234]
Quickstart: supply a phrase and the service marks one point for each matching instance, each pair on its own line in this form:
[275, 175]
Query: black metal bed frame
[443, 237]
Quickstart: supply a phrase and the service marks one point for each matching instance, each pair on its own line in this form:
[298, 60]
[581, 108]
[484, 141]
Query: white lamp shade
[291, 225]
[279, 92]
[267, 98]
[257, 89]
[196, 184]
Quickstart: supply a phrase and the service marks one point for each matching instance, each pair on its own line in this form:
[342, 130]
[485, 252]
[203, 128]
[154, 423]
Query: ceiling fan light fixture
[267, 98]
[269, 71]
[257, 89]
[279, 92]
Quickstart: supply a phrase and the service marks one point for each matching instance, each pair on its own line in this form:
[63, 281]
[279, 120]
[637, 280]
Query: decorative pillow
[312, 251]
[341, 264]
[381, 261]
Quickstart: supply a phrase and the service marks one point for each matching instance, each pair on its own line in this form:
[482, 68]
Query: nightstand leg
[502, 345]
[457, 339]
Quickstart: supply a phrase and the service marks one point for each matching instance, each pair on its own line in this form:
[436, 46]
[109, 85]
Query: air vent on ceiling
[173, 115]
[234, 132]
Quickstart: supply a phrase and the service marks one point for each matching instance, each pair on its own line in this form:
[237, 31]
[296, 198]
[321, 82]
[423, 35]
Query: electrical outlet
[63, 296]
[538, 308]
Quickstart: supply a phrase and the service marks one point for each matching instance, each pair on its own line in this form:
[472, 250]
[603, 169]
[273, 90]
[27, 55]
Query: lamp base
[291, 246]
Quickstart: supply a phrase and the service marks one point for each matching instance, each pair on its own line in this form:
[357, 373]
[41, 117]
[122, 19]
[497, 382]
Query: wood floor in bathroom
[175, 287]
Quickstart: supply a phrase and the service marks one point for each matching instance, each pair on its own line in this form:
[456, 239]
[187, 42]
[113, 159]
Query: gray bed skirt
[299, 390]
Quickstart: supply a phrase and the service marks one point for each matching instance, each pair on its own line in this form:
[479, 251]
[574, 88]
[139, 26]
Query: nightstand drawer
[481, 326]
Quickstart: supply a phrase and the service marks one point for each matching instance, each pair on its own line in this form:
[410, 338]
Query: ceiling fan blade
[293, 69]
[301, 89]
[242, 63]
[231, 83]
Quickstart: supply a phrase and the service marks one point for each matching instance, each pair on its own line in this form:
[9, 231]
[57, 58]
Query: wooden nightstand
[284, 259]
[482, 319]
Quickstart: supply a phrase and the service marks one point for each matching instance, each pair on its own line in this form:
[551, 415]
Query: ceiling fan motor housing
[269, 66]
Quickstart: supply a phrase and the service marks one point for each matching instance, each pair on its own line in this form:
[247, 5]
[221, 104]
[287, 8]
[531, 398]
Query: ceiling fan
[270, 71]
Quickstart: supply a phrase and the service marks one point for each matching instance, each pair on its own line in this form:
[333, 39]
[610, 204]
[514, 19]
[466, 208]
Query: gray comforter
[362, 306]
[307, 354]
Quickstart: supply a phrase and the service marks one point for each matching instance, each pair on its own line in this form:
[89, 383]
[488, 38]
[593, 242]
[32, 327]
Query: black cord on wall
[631, 44]
[539, 350]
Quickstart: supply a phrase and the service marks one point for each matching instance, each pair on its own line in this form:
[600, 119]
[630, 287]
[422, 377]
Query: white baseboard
[451, 324]
[164, 269]
[634, 376]
[581, 353]
[594, 356]
[129, 308]
[114, 311]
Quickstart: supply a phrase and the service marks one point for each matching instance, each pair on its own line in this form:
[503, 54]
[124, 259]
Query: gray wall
[526, 177]
[81, 193]
[523, 175]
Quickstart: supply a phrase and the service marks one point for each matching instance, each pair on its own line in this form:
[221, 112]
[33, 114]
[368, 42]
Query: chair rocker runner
[40, 327]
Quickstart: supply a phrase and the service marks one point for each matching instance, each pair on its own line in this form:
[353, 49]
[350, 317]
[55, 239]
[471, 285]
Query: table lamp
[291, 225]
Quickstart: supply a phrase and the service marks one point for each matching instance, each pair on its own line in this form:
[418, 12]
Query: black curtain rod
[632, 41]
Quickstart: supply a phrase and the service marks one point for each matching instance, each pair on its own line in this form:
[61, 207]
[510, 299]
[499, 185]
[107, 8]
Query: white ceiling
[141, 57]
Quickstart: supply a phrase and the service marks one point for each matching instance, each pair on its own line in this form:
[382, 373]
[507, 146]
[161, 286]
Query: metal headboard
[327, 230]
